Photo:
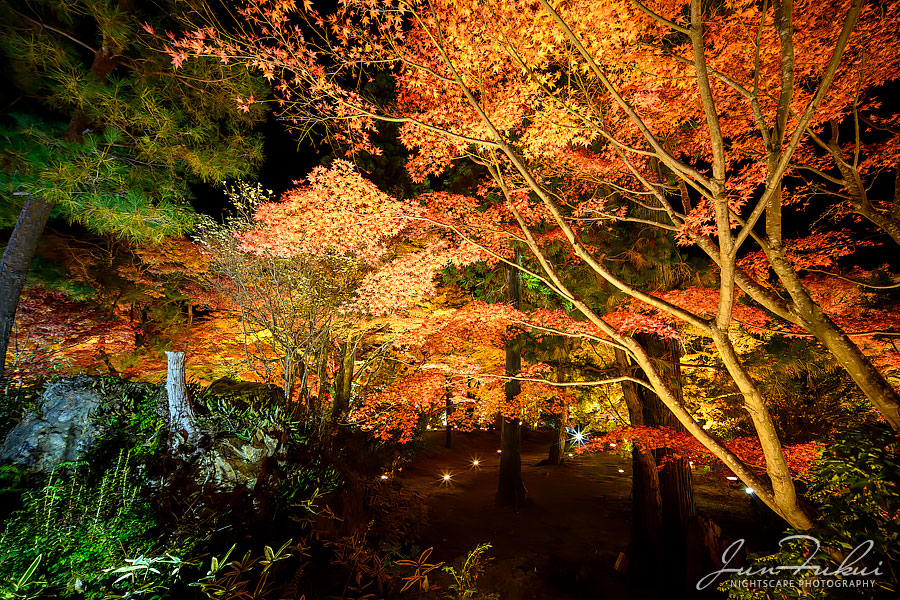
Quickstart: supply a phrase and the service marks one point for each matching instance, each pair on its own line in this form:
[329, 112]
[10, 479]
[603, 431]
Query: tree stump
[181, 417]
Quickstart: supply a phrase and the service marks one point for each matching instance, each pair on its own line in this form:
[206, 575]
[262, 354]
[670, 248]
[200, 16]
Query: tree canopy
[680, 116]
[102, 132]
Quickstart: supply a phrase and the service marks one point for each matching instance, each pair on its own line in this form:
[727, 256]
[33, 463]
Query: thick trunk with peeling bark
[663, 498]
[181, 417]
[646, 547]
[675, 477]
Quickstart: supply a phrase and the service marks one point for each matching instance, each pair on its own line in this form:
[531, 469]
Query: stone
[232, 463]
[67, 424]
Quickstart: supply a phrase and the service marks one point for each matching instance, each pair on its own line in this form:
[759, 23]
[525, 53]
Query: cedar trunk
[662, 497]
[558, 445]
[510, 488]
[560, 436]
[448, 433]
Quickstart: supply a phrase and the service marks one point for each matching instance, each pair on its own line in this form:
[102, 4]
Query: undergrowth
[79, 524]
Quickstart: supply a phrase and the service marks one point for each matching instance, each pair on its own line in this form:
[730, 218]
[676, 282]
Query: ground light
[749, 490]
[577, 436]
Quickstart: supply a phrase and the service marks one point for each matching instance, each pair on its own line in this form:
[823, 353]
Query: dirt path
[565, 543]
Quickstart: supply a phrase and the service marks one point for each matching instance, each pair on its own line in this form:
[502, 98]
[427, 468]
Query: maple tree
[57, 334]
[691, 112]
[98, 304]
[851, 162]
[392, 255]
[287, 304]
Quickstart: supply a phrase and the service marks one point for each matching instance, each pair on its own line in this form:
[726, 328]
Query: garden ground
[564, 544]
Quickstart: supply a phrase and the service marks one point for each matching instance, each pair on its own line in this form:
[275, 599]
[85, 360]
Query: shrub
[856, 488]
[465, 578]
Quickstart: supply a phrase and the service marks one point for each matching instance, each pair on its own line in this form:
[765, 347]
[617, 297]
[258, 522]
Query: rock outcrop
[232, 463]
[74, 414]
[68, 422]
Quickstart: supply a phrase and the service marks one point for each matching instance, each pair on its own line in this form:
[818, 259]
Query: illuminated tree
[288, 304]
[692, 112]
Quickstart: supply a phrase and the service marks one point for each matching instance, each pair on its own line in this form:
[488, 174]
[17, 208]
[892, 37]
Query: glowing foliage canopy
[682, 116]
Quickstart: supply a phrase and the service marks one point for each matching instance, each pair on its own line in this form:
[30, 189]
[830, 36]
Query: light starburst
[577, 436]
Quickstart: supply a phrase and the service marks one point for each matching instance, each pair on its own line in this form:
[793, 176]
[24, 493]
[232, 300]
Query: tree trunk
[511, 489]
[181, 418]
[20, 249]
[558, 445]
[663, 499]
[343, 384]
[646, 547]
[804, 311]
[560, 436]
[448, 432]
[33, 218]
[675, 477]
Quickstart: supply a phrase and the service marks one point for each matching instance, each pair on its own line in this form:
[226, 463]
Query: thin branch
[42, 25]
[777, 173]
[666, 157]
[860, 283]
[566, 383]
[661, 19]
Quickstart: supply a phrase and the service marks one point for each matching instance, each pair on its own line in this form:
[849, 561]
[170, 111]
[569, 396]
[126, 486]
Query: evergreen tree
[99, 129]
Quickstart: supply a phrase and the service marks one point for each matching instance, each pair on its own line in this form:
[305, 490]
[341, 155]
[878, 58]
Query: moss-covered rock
[72, 415]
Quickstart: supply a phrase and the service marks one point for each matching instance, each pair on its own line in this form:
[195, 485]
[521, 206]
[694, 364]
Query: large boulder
[68, 422]
[232, 463]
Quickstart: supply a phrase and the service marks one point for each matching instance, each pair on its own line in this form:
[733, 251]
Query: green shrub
[240, 415]
[144, 577]
[132, 424]
[856, 488]
[465, 579]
